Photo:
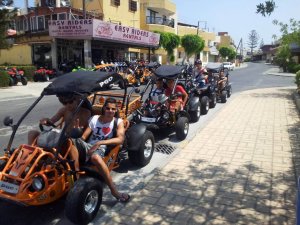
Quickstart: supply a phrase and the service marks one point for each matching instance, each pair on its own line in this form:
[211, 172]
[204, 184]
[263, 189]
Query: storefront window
[40, 23]
[33, 23]
[42, 55]
[54, 16]
[62, 16]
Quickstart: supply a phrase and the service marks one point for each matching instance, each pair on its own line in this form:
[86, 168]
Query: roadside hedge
[4, 79]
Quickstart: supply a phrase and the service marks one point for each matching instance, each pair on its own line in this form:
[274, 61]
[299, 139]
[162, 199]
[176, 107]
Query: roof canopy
[82, 82]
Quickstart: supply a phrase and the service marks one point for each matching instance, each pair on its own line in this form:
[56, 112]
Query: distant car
[228, 65]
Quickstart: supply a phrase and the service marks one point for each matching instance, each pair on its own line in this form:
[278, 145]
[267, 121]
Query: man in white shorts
[104, 130]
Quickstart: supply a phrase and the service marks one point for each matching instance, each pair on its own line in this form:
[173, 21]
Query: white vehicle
[228, 65]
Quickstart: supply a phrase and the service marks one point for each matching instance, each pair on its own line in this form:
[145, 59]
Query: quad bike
[15, 76]
[222, 91]
[42, 173]
[203, 97]
[157, 111]
[43, 74]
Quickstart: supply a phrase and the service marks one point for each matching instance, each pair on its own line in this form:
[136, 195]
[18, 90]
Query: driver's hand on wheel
[45, 121]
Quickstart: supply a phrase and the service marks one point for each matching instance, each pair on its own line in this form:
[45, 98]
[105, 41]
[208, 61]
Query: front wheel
[204, 105]
[195, 115]
[182, 128]
[223, 96]
[144, 154]
[24, 81]
[84, 200]
[213, 100]
[229, 92]
[11, 82]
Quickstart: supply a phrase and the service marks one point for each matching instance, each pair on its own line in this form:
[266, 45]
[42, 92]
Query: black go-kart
[156, 112]
[222, 91]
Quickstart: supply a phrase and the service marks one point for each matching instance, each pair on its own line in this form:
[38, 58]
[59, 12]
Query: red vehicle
[16, 75]
[43, 74]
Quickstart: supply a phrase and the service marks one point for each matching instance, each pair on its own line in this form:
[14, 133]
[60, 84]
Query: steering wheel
[49, 123]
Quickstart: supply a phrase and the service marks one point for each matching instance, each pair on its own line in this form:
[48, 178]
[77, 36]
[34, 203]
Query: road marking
[17, 98]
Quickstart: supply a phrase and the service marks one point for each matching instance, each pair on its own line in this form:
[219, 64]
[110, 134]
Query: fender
[183, 114]
[134, 136]
[193, 103]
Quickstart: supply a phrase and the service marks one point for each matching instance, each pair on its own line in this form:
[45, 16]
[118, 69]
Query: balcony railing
[160, 20]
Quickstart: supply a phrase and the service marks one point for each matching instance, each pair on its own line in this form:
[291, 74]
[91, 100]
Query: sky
[237, 17]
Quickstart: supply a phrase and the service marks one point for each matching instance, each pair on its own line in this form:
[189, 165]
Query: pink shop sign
[110, 31]
[79, 29]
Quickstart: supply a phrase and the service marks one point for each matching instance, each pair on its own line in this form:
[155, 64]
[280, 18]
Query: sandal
[124, 198]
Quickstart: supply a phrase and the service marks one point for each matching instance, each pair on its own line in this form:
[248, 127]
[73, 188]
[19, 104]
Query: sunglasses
[110, 109]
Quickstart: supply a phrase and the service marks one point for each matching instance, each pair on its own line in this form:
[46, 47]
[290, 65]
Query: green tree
[266, 8]
[253, 40]
[169, 41]
[290, 32]
[6, 20]
[283, 56]
[192, 44]
[227, 52]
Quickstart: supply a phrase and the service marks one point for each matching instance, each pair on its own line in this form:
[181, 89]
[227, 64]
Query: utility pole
[83, 8]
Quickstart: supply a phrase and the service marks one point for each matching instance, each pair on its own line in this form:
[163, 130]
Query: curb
[281, 74]
[296, 98]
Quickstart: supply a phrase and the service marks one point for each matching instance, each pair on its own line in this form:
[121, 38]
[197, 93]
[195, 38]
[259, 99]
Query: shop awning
[104, 31]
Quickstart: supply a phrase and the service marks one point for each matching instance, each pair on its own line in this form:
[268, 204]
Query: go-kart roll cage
[81, 83]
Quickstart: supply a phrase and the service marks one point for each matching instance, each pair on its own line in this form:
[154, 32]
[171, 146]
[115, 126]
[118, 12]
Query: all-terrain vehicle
[15, 76]
[203, 96]
[157, 111]
[39, 174]
[222, 91]
[44, 74]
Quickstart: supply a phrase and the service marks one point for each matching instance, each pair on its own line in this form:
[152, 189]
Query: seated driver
[222, 80]
[96, 138]
[180, 101]
[70, 103]
[159, 87]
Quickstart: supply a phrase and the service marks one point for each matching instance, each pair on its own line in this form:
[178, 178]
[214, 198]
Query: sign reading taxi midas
[104, 30]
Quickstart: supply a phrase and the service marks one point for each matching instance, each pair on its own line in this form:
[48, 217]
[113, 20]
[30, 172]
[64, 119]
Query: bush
[4, 79]
[295, 68]
[297, 79]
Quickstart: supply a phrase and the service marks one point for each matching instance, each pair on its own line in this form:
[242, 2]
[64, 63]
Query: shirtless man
[81, 119]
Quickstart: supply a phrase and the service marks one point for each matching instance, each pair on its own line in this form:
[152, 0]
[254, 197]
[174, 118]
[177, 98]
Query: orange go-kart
[39, 174]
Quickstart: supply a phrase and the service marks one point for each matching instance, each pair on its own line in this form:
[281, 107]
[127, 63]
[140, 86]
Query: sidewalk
[237, 170]
[32, 89]
[276, 71]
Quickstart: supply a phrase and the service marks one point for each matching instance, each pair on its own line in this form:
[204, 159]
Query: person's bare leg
[32, 135]
[74, 155]
[105, 173]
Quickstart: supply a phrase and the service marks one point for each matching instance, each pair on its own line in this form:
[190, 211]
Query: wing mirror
[8, 121]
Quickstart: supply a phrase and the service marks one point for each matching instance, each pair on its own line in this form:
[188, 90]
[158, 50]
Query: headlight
[38, 183]
[166, 115]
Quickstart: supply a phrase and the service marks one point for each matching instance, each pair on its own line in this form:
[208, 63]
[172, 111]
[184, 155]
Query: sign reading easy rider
[71, 28]
[98, 29]
[104, 30]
